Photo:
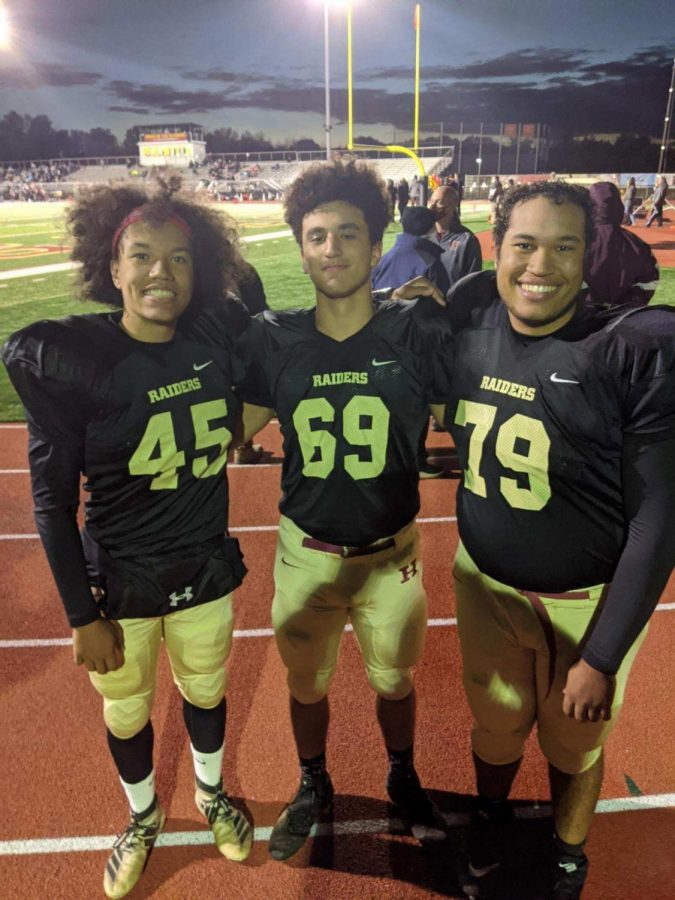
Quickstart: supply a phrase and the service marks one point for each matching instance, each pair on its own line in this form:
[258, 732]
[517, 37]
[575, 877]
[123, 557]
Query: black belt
[347, 552]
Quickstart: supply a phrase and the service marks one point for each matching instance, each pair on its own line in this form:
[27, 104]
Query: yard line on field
[36, 280]
[348, 827]
[66, 266]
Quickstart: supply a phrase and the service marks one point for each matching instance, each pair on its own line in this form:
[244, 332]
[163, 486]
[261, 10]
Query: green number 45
[158, 454]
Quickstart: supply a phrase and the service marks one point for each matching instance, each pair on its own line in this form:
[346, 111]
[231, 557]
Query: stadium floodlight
[5, 30]
[479, 163]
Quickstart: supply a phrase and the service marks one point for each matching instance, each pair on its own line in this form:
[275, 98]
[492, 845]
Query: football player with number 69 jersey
[351, 386]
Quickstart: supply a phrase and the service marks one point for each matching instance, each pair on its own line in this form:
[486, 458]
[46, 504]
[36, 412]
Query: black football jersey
[351, 413]
[539, 425]
[149, 423]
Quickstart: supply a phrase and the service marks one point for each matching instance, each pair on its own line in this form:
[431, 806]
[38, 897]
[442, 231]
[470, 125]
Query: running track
[62, 804]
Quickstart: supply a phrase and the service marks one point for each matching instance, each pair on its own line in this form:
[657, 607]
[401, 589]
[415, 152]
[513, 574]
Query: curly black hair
[98, 212]
[557, 192]
[351, 182]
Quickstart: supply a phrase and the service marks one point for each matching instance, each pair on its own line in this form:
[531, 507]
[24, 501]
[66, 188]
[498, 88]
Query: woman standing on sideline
[139, 400]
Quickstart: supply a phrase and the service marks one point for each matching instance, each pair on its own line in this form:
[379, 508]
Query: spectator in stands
[403, 193]
[629, 202]
[658, 200]
[620, 267]
[461, 249]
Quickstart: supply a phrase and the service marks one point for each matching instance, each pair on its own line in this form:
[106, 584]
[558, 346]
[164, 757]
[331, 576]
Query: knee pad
[205, 689]
[127, 716]
[391, 684]
[310, 687]
[570, 760]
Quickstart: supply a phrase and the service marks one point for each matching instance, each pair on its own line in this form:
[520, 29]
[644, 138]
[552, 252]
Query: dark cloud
[138, 110]
[162, 98]
[44, 75]
[552, 88]
[216, 75]
[531, 61]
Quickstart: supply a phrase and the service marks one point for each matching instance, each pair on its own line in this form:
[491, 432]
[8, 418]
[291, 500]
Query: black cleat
[570, 875]
[415, 806]
[313, 801]
[485, 853]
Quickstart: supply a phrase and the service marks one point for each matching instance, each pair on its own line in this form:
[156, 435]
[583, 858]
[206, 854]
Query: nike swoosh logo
[481, 873]
[556, 380]
[383, 362]
[286, 563]
[201, 366]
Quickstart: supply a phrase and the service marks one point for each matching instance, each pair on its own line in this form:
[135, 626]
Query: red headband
[136, 215]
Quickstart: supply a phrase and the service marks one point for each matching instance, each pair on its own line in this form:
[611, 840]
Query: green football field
[32, 237]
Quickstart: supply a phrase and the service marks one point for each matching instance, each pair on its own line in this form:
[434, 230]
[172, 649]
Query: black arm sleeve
[648, 557]
[55, 474]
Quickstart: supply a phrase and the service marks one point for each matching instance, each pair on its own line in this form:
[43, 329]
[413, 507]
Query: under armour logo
[408, 572]
[185, 597]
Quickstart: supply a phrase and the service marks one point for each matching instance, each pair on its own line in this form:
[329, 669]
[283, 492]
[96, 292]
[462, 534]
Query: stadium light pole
[665, 139]
[326, 62]
[5, 29]
[326, 73]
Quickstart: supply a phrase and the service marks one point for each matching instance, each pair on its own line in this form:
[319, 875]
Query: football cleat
[231, 829]
[313, 801]
[569, 876]
[429, 470]
[248, 454]
[131, 852]
[415, 806]
[485, 842]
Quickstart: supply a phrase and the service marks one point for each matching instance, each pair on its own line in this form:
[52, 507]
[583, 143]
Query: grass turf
[32, 234]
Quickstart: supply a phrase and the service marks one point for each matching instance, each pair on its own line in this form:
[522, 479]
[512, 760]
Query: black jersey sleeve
[436, 347]
[252, 384]
[650, 403]
[55, 475]
[51, 374]
[648, 557]
[49, 380]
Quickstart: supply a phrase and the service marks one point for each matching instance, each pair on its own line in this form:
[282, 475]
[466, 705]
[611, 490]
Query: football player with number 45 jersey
[140, 401]
[563, 415]
[351, 386]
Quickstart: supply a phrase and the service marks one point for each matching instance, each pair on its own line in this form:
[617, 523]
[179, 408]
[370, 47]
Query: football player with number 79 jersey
[351, 386]
[563, 415]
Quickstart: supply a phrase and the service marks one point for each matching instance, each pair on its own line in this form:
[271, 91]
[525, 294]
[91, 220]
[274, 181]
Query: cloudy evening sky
[586, 65]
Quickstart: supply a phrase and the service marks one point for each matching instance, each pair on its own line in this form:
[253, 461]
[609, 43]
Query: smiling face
[154, 273]
[540, 264]
[336, 250]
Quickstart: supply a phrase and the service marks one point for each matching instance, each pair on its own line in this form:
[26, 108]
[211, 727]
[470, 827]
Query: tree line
[24, 137]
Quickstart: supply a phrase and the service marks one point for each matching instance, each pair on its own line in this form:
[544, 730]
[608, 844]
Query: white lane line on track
[100, 842]
[433, 520]
[238, 633]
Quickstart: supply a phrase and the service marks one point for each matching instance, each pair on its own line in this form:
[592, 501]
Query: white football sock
[208, 766]
[141, 794]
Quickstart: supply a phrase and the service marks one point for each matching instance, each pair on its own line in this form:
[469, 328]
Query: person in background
[658, 201]
[403, 194]
[461, 248]
[629, 201]
[619, 267]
